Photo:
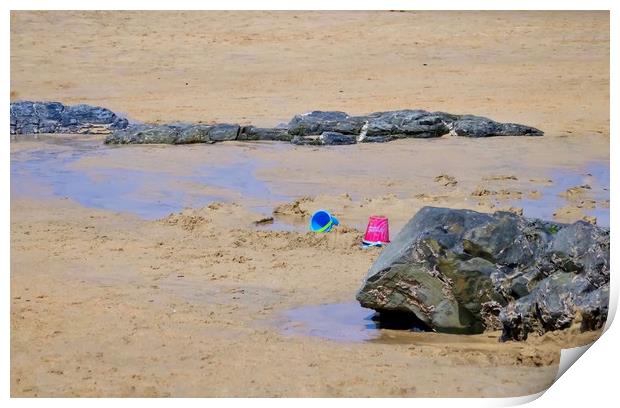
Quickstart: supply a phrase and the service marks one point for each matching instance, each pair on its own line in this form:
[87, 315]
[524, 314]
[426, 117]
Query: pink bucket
[377, 231]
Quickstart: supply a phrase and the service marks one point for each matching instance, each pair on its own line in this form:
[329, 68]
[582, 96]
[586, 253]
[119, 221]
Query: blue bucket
[322, 221]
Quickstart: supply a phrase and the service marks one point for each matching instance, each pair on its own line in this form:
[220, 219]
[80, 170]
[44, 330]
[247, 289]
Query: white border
[590, 382]
[310, 5]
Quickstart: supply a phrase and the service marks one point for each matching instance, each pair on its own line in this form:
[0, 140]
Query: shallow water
[594, 174]
[346, 322]
[149, 194]
[339, 322]
[53, 170]
[49, 173]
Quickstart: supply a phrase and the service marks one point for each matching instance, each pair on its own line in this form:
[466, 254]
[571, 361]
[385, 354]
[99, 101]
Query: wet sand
[395, 179]
[111, 295]
[116, 290]
[110, 305]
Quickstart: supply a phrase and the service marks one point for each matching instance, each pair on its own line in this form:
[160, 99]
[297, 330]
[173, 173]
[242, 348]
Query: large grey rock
[173, 134]
[256, 133]
[325, 139]
[223, 132]
[554, 305]
[405, 123]
[53, 117]
[478, 126]
[335, 138]
[317, 122]
[593, 307]
[378, 139]
[194, 134]
[306, 140]
[408, 123]
[145, 134]
[460, 271]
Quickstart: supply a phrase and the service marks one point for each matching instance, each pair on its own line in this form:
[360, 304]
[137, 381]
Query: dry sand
[108, 304]
[546, 69]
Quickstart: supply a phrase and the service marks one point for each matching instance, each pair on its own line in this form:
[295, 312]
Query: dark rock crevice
[399, 320]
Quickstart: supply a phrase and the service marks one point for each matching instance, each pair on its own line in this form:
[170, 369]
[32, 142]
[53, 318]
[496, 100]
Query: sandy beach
[151, 270]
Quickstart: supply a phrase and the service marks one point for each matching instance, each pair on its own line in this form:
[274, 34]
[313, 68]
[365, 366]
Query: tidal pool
[595, 175]
[149, 193]
[154, 181]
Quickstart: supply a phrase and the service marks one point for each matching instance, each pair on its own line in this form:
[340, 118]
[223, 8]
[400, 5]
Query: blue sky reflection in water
[149, 194]
[153, 194]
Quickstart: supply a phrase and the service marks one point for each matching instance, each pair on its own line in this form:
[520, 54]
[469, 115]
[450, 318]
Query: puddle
[348, 322]
[55, 167]
[49, 173]
[596, 175]
[54, 170]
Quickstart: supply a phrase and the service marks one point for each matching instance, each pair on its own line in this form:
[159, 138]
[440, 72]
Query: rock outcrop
[460, 271]
[193, 133]
[161, 134]
[326, 138]
[256, 133]
[405, 123]
[313, 128]
[477, 126]
[54, 117]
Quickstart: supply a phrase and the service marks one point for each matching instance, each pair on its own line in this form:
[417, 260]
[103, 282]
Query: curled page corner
[515, 401]
[568, 358]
